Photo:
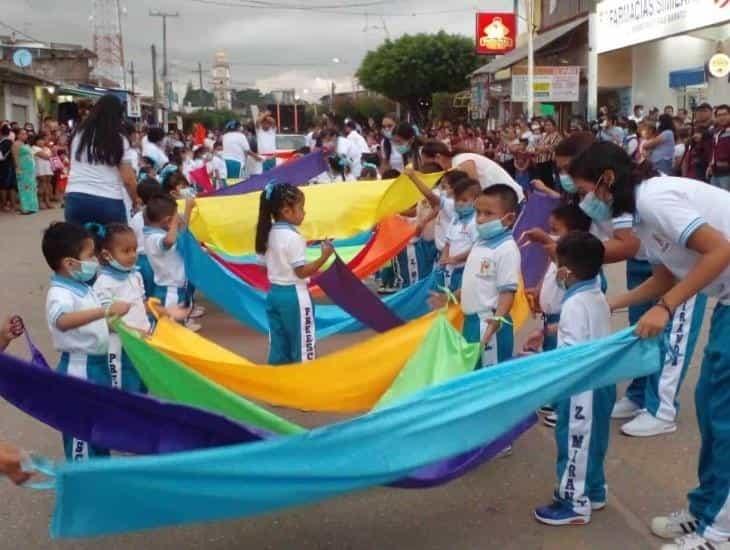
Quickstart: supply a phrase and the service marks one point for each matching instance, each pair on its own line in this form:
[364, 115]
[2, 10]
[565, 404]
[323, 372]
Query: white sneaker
[696, 542]
[647, 425]
[625, 408]
[675, 525]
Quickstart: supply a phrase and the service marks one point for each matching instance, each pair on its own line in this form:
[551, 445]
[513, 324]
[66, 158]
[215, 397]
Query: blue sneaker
[559, 513]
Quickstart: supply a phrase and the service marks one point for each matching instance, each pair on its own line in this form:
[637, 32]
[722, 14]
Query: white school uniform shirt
[551, 295]
[604, 230]
[489, 172]
[167, 263]
[99, 180]
[286, 250]
[114, 285]
[396, 159]
[219, 165]
[668, 211]
[235, 146]
[68, 296]
[443, 219]
[154, 152]
[585, 314]
[461, 236]
[493, 266]
[137, 225]
[358, 141]
[266, 141]
[352, 154]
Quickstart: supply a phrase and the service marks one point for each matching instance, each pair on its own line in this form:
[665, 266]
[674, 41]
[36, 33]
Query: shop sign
[134, 106]
[496, 33]
[551, 84]
[623, 23]
[719, 65]
[22, 58]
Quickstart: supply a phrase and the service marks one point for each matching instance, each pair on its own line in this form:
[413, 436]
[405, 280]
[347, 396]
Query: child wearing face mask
[583, 424]
[77, 318]
[492, 275]
[119, 279]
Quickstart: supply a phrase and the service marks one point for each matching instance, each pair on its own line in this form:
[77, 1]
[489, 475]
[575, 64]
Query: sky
[269, 48]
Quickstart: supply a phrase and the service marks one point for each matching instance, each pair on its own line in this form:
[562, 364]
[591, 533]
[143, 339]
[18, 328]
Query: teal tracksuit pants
[290, 312]
[499, 349]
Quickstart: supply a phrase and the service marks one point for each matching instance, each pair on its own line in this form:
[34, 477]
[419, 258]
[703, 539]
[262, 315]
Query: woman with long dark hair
[101, 167]
[684, 226]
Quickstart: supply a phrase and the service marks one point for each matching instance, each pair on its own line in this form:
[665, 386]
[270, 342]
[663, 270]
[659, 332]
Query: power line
[18, 31]
[328, 11]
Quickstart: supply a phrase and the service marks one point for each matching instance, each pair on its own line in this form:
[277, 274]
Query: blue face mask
[87, 270]
[490, 229]
[119, 267]
[595, 208]
[567, 183]
[464, 211]
[402, 149]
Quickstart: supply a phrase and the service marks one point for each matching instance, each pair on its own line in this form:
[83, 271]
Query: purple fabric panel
[111, 418]
[535, 213]
[296, 172]
[349, 292]
[36, 356]
[457, 466]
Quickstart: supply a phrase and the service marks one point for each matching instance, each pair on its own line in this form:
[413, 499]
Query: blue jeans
[82, 208]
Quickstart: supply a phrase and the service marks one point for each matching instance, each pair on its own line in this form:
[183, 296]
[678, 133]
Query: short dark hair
[464, 186]
[63, 240]
[4, 130]
[575, 144]
[148, 189]
[452, 176]
[175, 180]
[582, 253]
[155, 134]
[431, 168]
[573, 217]
[390, 174]
[723, 107]
[506, 195]
[160, 207]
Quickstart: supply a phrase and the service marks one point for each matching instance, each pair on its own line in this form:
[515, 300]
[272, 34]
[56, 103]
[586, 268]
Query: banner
[559, 84]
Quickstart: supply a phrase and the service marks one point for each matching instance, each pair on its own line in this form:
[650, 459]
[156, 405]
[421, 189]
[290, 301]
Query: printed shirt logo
[663, 244]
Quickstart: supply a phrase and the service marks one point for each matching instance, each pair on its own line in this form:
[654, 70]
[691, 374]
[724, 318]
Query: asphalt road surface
[489, 508]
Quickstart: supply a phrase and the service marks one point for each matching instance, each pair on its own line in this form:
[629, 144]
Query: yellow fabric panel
[520, 311]
[333, 210]
[347, 381]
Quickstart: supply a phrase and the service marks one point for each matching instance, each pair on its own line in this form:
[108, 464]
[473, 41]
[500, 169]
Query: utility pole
[200, 74]
[131, 73]
[530, 59]
[165, 75]
[155, 91]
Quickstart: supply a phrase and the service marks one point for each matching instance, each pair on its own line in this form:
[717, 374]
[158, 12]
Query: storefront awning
[687, 77]
[91, 92]
[518, 54]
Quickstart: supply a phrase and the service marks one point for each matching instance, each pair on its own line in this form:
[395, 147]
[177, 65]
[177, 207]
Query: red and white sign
[496, 33]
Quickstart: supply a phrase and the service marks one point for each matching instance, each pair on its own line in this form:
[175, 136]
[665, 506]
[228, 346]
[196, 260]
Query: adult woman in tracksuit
[684, 227]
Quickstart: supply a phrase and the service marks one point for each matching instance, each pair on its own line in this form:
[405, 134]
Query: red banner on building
[496, 33]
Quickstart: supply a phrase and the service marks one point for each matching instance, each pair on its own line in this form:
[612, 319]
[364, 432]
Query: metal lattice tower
[106, 22]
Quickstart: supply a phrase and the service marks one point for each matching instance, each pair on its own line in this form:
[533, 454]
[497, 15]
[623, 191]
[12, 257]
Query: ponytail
[274, 198]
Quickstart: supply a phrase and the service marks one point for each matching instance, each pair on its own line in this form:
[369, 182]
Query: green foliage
[198, 98]
[417, 66]
[363, 107]
[249, 96]
[212, 120]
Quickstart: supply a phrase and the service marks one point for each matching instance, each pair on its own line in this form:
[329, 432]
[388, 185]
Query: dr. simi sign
[623, 23]
[496, 33]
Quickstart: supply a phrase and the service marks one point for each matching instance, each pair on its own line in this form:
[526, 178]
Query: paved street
[490, 508]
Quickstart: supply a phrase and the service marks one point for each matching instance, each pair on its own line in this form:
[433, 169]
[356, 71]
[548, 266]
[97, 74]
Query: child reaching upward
[288, 304]
[160, 246]
[76, 316]
[145, 190]
[491, 275]
[584, 419]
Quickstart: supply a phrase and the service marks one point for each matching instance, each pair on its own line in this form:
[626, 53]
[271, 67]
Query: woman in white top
[478, 167]
[101, 167]
[685, 228]
[236, 149]
[266, 143]
[43, 169]
[389, 154]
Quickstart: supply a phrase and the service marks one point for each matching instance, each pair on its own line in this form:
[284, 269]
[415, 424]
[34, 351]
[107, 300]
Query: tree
[212, 120]
[363, 107]
[246, 97]
[198, 98]
[414, 67]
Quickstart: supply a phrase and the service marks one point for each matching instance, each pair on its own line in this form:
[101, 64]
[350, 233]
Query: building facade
[222, 81]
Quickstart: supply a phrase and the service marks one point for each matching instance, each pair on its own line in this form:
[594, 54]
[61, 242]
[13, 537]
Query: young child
[179, 187]
[523, 165]
[145, 190]
[160, 246]
[119, 278]
[288, 304]
[584, 419]
[460, 235]
[217, 167]
[76, 316]
[492, 275]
